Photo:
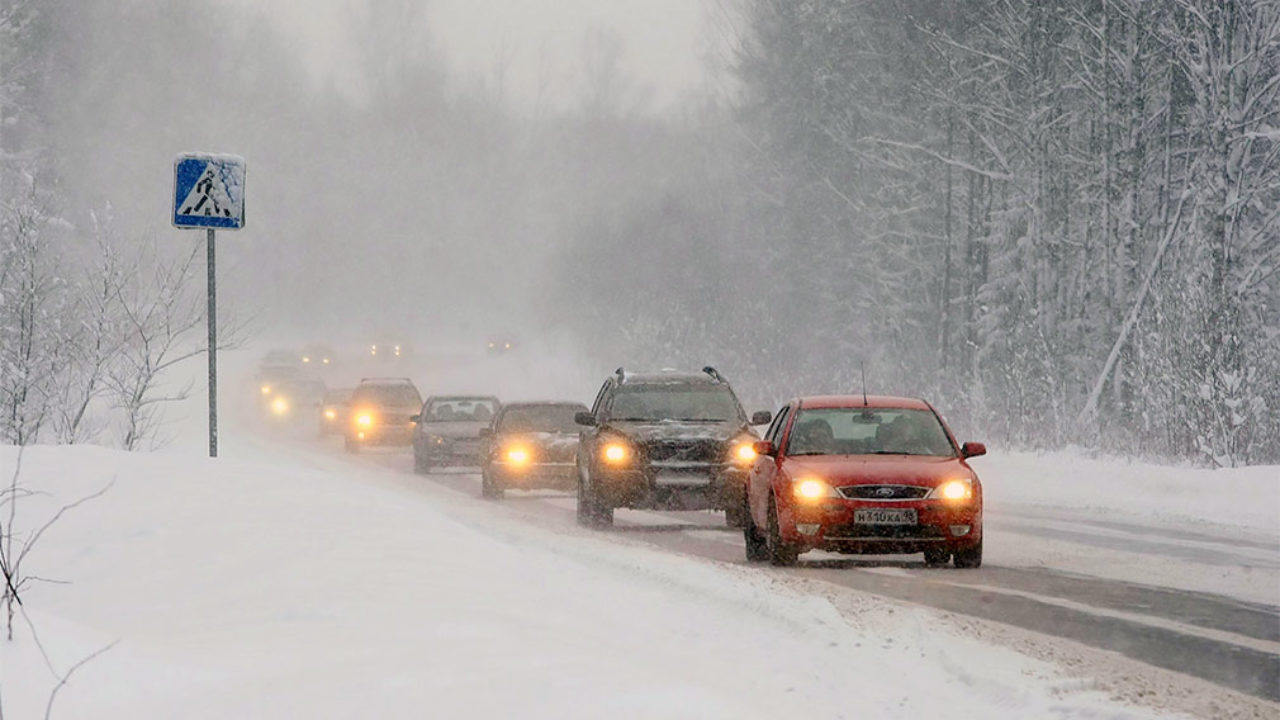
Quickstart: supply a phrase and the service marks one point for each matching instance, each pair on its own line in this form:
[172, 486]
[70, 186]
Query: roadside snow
[272, 589]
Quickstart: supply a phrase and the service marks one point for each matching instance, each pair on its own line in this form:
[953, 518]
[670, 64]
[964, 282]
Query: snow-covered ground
[1199, 529]
[273, 586]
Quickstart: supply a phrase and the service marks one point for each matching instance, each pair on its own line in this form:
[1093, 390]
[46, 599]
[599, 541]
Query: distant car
[333, 411]
[317, 357]
[855, 474]
[501, 345]
[292, 401]
[447, 432]
[531, 445]
[379, 413]
[667, 440]
[390, 350]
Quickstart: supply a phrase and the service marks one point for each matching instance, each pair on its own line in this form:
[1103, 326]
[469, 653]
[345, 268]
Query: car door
[765, 468]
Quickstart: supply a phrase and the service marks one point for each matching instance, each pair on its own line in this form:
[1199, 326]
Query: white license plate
[885, 516]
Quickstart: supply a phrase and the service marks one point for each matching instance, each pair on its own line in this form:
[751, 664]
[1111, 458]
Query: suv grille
[883, 492]
[708, 451]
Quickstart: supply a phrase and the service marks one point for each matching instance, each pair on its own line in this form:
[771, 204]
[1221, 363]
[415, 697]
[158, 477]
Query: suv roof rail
[386, 379]
[620, 372]
[715, 375]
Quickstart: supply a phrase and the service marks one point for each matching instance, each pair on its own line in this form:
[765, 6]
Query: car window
[539, 418]
[868, 431]
[693, 403]
[387, 395]
[475, 409]
[600, 398]
[774, 434]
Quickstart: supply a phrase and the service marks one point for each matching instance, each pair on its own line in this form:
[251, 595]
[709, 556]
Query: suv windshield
[387, 395]
[868, 431]
[478, 409]
[694, 403]
[540, 418]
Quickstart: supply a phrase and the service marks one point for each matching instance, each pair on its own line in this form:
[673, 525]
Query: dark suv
[667, 440]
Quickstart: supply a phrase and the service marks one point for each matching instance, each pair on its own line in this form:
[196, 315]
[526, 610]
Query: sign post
[208, 192]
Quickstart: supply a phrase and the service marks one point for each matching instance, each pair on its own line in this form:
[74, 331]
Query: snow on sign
[208, 191]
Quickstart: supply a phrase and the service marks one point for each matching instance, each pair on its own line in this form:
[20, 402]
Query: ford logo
[884, 492]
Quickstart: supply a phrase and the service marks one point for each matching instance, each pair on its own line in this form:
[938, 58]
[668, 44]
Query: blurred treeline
[1057, 219]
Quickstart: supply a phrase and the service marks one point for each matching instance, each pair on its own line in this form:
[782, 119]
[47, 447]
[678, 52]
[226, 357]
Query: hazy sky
[665, 41]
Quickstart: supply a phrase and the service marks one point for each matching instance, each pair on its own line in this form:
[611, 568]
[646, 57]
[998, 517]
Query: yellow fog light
[519, 456]
[745, 453]
[615, 453]
[812, 490]
[280, 406]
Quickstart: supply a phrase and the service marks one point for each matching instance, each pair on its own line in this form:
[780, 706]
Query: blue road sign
[208, 191]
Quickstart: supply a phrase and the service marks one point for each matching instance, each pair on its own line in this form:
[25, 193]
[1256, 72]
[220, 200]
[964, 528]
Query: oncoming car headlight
[266, 389]
[744, 452]
[330, 414]
[952, 490]
[364, 419]
[615, 452]
[280, 405]
[517, 455]
[811, 489]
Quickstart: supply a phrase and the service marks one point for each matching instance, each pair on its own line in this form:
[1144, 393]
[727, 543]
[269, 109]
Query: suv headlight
[615, 452]
[742, 450]
[953, 490]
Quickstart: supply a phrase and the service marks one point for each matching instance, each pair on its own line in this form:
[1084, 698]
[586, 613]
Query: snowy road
[1224, 640]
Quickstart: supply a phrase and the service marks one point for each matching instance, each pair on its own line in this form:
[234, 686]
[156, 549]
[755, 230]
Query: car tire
[490, 489]
[590, 512]
[420, 464]
[735, 516]
[969, 558]
[780, 553]
[757, 543]
[937, 557]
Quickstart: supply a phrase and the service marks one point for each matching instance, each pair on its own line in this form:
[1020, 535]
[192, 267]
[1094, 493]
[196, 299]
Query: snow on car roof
[842, 401]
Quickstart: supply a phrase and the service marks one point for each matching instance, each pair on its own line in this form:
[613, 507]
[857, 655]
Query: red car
[856, 474]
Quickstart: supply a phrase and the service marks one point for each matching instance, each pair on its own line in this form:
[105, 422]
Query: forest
[1058, 220]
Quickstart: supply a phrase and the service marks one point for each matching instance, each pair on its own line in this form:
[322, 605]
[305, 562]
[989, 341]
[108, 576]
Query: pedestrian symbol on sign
[208, 191]
[207, 198]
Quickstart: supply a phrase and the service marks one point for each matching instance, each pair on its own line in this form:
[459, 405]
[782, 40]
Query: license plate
[885, 516]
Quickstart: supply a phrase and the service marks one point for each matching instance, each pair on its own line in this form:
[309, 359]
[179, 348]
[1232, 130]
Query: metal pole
[213, 349]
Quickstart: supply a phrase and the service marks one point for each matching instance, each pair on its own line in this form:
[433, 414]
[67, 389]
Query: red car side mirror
[973, 449]
[763, 447]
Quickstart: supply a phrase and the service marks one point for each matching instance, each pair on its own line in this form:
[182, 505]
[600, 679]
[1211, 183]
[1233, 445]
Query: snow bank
[240, 589]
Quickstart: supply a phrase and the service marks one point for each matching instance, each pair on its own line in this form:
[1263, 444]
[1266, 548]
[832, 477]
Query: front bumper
[705, 487]
[382, 435]
[830, 525]
[534, 475]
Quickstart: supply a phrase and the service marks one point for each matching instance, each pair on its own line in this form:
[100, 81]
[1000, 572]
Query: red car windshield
[868, 431]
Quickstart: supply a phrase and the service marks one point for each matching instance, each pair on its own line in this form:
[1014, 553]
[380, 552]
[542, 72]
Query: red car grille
[883, 492]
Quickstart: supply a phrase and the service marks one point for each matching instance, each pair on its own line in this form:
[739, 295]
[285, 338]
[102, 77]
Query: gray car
[447, 431]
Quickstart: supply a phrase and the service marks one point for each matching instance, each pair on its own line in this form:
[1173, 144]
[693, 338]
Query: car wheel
[735, 516]
[420, 464]
[780, 552]
[969, 557]
[590, 512]
[488, 488]
[757, 544]
[937, 557]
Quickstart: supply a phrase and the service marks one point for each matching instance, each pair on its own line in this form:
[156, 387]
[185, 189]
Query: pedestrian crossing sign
[208, 191]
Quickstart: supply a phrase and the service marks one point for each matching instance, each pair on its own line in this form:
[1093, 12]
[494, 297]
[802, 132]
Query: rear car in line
[857, 474]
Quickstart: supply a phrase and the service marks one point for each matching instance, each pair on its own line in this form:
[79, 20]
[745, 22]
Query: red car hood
[841, 470]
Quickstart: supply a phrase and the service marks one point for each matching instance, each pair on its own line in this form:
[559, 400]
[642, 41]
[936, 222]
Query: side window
[774, 434]
[600, 396]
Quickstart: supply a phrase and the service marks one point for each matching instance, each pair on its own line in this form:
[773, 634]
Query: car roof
[386, 381]
[542, 403]
[668, 377]
[858, 401]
